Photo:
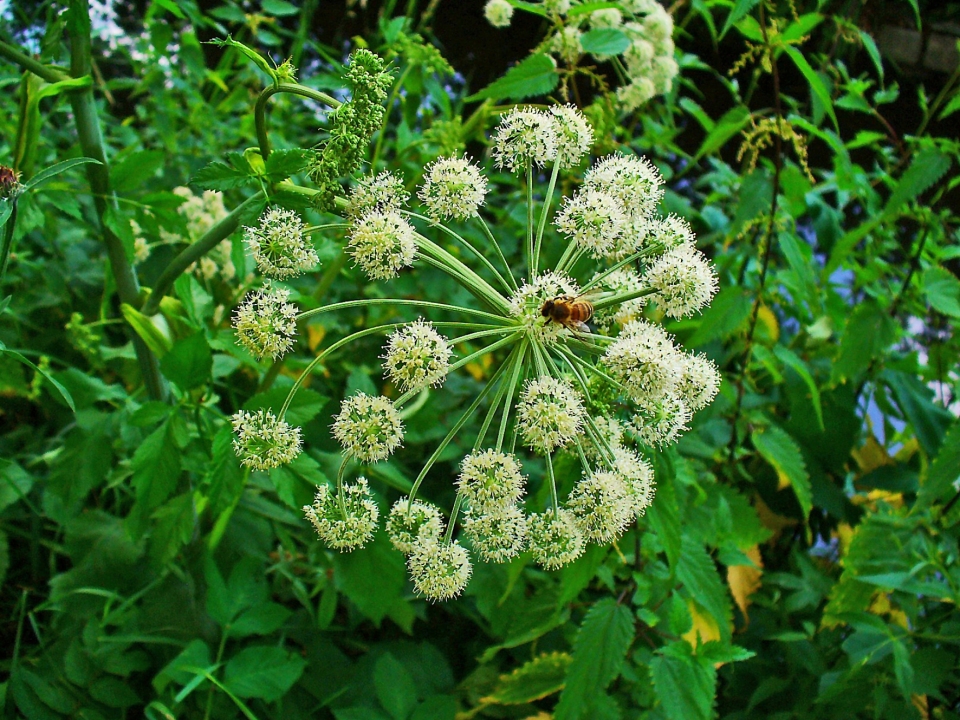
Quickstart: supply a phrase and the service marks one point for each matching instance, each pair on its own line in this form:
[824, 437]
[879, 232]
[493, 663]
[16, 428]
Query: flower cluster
[278, 245]
[646, 27]
[566, 344]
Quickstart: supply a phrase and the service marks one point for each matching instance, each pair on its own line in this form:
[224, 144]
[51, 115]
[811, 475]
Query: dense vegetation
[800, 556]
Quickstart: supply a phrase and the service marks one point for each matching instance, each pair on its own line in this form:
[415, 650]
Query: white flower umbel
[672, 232]
[498, 13]
[452, 188]
[637, 474]
[498, 534]
[574, 135]
[439, 570]
[634, 181]
[594, 220]
[407, 522]
[368, 427]
[491, 479]
[525, 138]
[554, 538]
[549, 414]
[379, 193]
[622, 280]
[263, 441]
[600, 504]
[663, 69]
[278, 244]
[266, 323]
[382, 243]
[345, 521]
[645, 360]
[416, 356]
[526, 303]
[661, 422]
[699, 381]
[684, 279]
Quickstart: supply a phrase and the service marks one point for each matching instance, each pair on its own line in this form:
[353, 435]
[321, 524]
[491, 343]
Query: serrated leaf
[119, 225]
[816, 84]
[534, 680]
[951, 107]
[283, 163]
[156, 468]
[744, 580]
[928, 420]
[942, 289]
[739, 10]
[698, 573]
[537, 75]
[729, 310]
[264, 672]
[63, 392]
[394, 687]
[927, 167]
[782, 452]
[869, 331]
[598, 654]
[54, 170]
[303, 408]
[604, 41]
[189, 362]
[870, 45]
[373, 579]
[684, 684]
[220, 176]
[944, 470]
[664, 517]
[791, 360]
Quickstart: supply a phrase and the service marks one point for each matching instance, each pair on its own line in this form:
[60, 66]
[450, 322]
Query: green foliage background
[144, 572]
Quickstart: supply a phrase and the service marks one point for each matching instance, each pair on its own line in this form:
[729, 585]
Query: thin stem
[544, 212]
[7, 244]
[46, 72]
[209, 240]
[570, 256]
[496, 246]
[448, 535]
[554, 499]
[260, 110]
[394, 302]
[468, 413]
[493, 297]
[531, 260]
[626, 261]
[466, 243]
[495, 403]
[511, 389]
[619, 298]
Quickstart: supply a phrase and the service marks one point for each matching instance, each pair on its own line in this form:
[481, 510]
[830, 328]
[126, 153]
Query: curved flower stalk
[554, 379]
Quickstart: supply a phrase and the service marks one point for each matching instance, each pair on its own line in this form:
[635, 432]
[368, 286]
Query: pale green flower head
[498, 534]
[347, 520]
[408, 521]
[699, 382]
[594, 220]
[263, 441]
[574, 135]
[452, 188]
[382, 243]
[278, 244]
[491, 479]
[498, 13]
[550, 414]
[661, 422]
[379, 193]
[554, 538]
[634, 181]
[600, 504]
[416, 356]
[368, 428]
[645, 360]
[684, 279]
[266, 323]
[439, 570]
[525, 138]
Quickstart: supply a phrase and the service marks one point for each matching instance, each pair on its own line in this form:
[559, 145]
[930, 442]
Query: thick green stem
[207, 242]
[98, 175]
[48, 73]
[7, 243]
[260, 111]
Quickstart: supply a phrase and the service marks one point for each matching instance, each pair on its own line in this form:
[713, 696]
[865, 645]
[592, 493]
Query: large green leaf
[942, 289]
[265, 672]
[927, 167]
[394, 687]
[156, 468]
[698, 573]
[813, 79]
[373, 578]
[598, 654]
[535, 679]
[537, 75]
[782, 452]
[189, 362]
[944, 470]
[685, 685]
[604, 41]
[869, 331]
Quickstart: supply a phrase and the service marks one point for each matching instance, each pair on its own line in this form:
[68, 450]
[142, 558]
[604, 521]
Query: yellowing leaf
[536, 679]
[744, 580]
[871, 456]
[768, 329]
[770, 519]
[704, 627]
[844, 533]
[315, 335]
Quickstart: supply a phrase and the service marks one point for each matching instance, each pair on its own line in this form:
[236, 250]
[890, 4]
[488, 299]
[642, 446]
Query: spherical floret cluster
[381, 243]
[452, 188]
[263, 441]
[416, 356]
[550, 414]
[344, 520]
[408, 521]
[368, 427]
[278, 244]
[440, 570]
[266, 323]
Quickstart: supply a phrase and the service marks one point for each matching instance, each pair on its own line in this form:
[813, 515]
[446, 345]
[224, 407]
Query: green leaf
[537, 75]
[263, 619]
[951, 107]
[698, 573]
[869, 331]
[156, 340]
[170, 6]
[942, 289]
[944, 470]
[119, 225]
[684, 685]
[136, 168]
[576, 10]
[394, 687]
[173, 526]
[373, 579]
[156, 468]
[189, 362]
[220, 176]
[732, 122]
[54, 170]
[279, 8]
[782, 452]
[816, 84]
[63, 392]
[534, 680]
[741, 8]
[256, 58]
[265, 672]
[283, 163]
[929, 421]
[729, 311]
[870, 45]
[792, 361]
[598, 653]
[305, 406]
[664, 517]
[926, 169]
[4, 556]
[604, 41]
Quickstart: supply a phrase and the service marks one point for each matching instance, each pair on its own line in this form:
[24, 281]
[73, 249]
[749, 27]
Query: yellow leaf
[920, 703]
[770, 519]
[871, 456]
[315, 335]
[704, 627]
[768, 329]
[844, 533]
[744, 580]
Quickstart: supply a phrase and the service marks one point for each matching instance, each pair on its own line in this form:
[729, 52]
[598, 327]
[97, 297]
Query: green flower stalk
[605, 258]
